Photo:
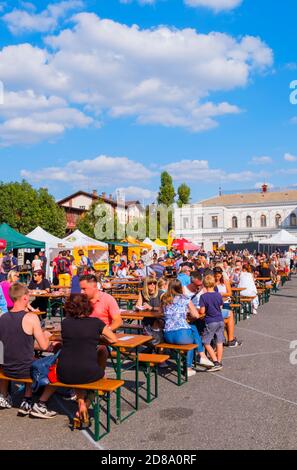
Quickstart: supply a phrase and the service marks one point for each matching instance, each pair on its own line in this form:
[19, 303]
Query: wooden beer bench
[102, 389]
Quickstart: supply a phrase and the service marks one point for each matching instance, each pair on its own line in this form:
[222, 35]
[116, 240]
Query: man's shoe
[40, 411]
[191, 372]
[25, 408]
[234, 343]
[5, 402]
[205, 362]
[217, 366]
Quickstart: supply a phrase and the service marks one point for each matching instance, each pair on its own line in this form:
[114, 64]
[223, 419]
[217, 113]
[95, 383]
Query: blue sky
[106, 94]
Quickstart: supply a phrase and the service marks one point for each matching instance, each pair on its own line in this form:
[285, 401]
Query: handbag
[40, 370]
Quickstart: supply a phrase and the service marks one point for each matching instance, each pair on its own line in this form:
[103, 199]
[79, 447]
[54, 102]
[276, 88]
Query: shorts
[212, 329]
[226, 311]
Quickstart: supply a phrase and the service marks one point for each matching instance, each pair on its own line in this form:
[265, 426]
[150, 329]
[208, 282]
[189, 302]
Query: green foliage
[184, 195]
[24, 208]
[166, 192]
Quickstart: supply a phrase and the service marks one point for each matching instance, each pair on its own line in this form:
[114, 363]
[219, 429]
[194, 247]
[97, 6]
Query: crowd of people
[193, 291]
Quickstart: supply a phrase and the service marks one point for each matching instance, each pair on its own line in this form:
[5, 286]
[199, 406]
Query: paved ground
[250, 404]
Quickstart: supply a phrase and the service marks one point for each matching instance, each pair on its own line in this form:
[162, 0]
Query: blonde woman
[150, 299]
[12, 277]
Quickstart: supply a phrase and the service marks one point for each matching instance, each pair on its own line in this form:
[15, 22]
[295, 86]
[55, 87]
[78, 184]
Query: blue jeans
[185, 336]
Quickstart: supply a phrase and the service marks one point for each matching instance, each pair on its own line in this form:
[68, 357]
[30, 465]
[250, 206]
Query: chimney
[264, 188]
[110, 197]
[94, 193]
[103, 195]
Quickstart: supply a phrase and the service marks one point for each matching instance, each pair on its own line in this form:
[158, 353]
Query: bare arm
[139, 301]
[109, 335]
[116, 323]
[193, 310]
[41, 337]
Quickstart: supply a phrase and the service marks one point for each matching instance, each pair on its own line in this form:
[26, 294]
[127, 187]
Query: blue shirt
[184, 279]
[75, 286]
[212, 301]
[3, 303]
[175, 314]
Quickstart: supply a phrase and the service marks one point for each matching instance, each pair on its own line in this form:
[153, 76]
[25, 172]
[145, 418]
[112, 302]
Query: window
[214, 221]
[82, 207]
[200, 222]
[263, 221]
[234, 222]
[186, 222]
[249, 222]
[293, 220]
[278, 220]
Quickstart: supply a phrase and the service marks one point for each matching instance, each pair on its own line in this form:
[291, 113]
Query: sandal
[81, 419]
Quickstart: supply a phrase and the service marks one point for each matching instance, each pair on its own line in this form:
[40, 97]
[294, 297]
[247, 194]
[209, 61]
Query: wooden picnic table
[131, 343]
[140, 314]
[51, 297]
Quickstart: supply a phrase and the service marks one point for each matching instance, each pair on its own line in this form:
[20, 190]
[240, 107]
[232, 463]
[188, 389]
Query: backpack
[63, 266]
[40, 370]
[6, 264]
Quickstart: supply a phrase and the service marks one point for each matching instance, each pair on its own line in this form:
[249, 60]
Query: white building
[237, 218]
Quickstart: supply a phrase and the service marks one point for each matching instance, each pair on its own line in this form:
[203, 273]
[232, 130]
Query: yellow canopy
[160, 243]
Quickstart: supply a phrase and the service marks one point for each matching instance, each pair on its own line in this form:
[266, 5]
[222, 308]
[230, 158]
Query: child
[211, 304]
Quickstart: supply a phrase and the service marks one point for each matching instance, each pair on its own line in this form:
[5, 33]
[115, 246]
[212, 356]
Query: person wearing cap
[39, 283]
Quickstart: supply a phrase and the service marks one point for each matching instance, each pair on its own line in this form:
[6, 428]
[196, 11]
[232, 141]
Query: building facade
[237, 218]
[79, 203]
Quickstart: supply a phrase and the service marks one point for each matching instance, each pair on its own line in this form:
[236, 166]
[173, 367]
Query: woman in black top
[78, 362]
[41, 284]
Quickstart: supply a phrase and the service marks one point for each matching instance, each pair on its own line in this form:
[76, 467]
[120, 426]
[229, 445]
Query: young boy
[211, 304]
[18, 332]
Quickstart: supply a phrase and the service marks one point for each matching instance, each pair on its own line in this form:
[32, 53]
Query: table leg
[136, 380]
[118, 392]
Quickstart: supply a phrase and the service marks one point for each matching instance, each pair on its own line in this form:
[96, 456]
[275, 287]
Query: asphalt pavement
[250, 404]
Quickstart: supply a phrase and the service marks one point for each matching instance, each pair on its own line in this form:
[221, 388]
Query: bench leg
[148, 383]
[97, 416]
[178, 365]
[156, 381]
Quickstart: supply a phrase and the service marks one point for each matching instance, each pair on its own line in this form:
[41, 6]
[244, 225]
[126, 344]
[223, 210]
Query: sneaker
[164, 364]
[204, 361]
[5, 402]
[234, 343]
[25, 408]
[70, 396]
[191, 372]
[216, 366]
[39, 410]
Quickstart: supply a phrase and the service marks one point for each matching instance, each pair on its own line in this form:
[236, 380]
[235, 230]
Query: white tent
[281, 238]
[78, 239]
[154, 245]
[52, 244]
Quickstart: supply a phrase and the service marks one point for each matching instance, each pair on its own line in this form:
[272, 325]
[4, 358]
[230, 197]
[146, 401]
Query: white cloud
[199, 170]
[288, 157]
[29, 118]
[260, 184]
[158, 76]
[136, 193]
[216, 5]
[100, 171]
[21, 21]
[261, 160]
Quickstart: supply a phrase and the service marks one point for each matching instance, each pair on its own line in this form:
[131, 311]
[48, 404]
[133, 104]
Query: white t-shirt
[37, 265]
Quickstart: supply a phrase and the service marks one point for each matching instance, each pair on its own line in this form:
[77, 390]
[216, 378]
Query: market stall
[95, 250]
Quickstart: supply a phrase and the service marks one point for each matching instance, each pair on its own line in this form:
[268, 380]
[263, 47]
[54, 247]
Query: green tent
[15, 239]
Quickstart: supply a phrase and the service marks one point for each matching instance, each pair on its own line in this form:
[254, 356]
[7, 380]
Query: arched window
[263, 221]
[249, 222]
[293, 220]
[278, 220]
[234, 222]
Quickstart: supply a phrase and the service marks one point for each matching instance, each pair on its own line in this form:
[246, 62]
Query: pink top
[105, 308]
[5, 287]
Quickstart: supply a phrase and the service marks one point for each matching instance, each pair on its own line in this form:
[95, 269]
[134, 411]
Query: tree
[184, 195]
[24, 208]
[166, 195]
[166, 192]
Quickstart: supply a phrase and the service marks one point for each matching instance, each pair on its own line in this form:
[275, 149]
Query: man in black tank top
[18, 332]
